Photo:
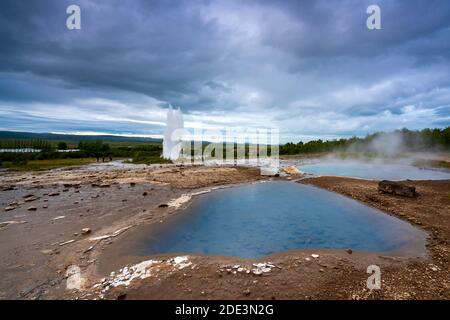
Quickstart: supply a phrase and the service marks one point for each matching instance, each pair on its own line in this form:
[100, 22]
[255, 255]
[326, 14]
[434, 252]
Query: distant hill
[71, 137]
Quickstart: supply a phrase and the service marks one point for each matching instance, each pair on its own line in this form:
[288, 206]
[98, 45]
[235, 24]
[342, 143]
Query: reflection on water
[264, 218]
[372, 170]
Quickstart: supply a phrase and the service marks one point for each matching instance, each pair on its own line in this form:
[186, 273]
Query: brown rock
[396, 188]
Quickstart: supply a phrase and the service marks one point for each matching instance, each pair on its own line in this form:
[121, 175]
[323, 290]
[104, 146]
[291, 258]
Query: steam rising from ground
[401, 147]
[393, 145]
[388, 144]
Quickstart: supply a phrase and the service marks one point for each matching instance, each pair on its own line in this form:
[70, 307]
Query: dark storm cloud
[308, 67]
[162, 51]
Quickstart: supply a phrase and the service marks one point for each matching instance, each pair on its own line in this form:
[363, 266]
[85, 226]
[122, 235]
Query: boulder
[396, 188]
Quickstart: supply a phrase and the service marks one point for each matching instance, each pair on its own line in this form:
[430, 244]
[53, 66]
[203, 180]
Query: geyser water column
[171, 142]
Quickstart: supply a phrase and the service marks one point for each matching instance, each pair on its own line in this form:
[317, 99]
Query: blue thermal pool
[264, 218]
[367, 170]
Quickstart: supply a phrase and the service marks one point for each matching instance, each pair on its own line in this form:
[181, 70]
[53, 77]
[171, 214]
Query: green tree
[62, 145]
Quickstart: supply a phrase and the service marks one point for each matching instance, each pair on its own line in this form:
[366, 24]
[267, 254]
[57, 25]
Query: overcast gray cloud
[310, 68]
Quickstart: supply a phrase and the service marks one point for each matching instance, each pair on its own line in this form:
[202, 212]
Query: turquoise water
[359, 169]
[261, 219]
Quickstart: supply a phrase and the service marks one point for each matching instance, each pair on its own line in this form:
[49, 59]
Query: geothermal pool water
[263, 218]
[366, 170]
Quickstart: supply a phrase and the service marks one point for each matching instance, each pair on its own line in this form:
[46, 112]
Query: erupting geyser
[172, 134]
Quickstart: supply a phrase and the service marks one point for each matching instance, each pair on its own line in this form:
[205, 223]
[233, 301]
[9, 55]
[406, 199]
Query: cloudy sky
[310, 68]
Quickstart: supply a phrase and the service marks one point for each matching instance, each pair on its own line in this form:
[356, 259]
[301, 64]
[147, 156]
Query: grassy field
[46, 164]
[147, 159]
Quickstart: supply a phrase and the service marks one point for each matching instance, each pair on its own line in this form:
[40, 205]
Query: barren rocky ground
[62, 233]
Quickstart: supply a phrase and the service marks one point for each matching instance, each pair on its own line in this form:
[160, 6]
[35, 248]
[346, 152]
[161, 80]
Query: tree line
[12, 150]
[408, 140]
[18, 144]
[419, 140]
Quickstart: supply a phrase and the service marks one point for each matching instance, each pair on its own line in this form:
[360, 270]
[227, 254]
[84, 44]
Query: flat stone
[85, 231]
